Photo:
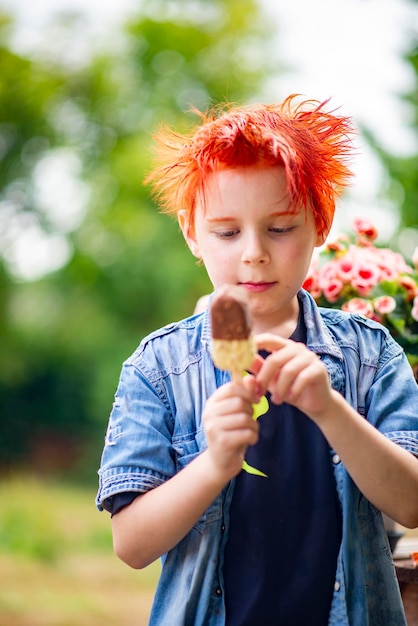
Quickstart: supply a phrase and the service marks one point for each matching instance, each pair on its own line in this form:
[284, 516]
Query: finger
[284, 387]
[224, 403]
[256, 364]
[231, 433]
[313, 376]
[301, 376]
[253, 386]
[274, 362]
[231, 423]
[232, 389]
[270, 342]
[282, 369]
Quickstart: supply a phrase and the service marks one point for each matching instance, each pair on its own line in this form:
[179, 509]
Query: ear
[188, 232]
[322, 237]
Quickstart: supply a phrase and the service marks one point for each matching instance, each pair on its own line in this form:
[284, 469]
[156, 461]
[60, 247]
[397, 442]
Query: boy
[301, 541]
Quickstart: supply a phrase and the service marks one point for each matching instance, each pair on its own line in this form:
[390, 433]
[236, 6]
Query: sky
[351, 50]
[346, 50]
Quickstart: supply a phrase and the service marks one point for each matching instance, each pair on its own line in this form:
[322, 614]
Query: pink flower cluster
[355, 275]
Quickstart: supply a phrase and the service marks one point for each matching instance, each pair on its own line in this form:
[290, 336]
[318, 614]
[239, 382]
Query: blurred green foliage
[63, 337]
[56, 560]
[35, 524]
[402, 171]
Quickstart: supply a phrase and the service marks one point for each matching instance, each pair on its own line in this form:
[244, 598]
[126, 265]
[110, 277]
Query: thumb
[256, 364]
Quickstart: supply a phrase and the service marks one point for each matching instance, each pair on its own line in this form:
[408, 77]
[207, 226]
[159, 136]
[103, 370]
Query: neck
[284, 327]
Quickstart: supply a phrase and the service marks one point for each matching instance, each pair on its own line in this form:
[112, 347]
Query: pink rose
[387, 262]
[410, 286]
[365, 228]
[340, 244]
[311, 285]
[358, 305]
[311, 281]
[344, 269]
[327, 273]
[365, 278]
[332, 290]
[384, 305]
[391, 263]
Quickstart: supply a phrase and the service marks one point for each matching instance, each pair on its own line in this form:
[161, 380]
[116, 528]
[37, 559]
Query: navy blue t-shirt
[284, 530]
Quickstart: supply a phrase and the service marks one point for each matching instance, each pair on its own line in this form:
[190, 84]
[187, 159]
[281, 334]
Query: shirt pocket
[187, 448]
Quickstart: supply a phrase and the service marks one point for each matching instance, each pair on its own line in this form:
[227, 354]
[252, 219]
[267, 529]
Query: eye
[281, 231]
[226, 234]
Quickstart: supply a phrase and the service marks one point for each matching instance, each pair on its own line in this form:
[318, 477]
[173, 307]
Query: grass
[57, 563]
[57, 566]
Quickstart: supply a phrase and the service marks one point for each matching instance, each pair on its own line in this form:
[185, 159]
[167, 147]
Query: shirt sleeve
[392, 403]
[138, 453]
[120, 500]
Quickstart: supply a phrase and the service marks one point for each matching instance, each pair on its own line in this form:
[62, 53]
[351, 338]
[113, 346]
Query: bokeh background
[88, 265]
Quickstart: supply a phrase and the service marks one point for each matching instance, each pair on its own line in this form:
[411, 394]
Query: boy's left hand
[292, 373]
[385, 473]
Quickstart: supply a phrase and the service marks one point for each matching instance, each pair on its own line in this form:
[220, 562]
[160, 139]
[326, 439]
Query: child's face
[245, 234]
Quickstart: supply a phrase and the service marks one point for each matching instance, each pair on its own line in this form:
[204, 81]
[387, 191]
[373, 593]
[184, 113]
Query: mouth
[260, 287]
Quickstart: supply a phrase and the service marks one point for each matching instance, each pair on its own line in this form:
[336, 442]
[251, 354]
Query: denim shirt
[155, 429]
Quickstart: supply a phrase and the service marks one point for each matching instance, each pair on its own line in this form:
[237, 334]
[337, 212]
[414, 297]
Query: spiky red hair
[311, 144]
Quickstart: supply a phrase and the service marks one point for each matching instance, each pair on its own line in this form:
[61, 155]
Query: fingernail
[258, 391]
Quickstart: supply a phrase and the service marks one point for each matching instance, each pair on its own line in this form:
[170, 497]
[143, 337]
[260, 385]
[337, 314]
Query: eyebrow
[231, 219]
[283, 213]
[221, 219]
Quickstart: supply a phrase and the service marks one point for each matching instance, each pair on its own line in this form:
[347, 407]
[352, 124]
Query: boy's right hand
[229, 425]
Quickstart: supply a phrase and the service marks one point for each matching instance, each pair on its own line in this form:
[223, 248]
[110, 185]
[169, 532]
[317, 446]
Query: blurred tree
[74, 148]
[405, 170]
[402, 182]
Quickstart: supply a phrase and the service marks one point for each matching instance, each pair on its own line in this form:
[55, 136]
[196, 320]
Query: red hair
[311, 144]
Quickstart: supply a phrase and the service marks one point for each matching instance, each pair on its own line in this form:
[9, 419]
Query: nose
[254, 250]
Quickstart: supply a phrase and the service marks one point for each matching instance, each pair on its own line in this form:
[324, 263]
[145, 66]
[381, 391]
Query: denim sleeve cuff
[408, 440]
[120, 479]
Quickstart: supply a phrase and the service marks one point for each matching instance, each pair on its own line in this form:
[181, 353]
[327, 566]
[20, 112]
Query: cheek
[219, 265]
[212, 252]
[298, 256]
